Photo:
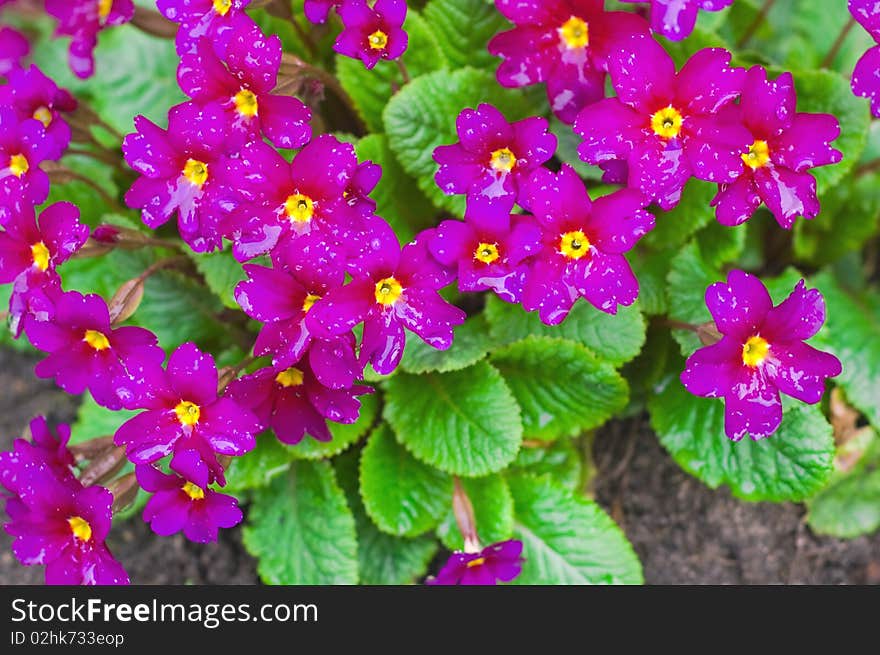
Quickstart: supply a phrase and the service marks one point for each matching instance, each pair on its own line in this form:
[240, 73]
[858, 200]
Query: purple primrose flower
[372, 34]
[86, 353]
[675, 19]
[13, 48]
[563, 43]
[59, 523]
[44, 449]
[82, 20]
[185, 417]
[177, 504]
[663, 124]
[782, 146]
[316, 11]
[761, 353]
[489, 253]
[33, 95]
[866, 75]
[501, 561]
[214, 19]
[243, 87]
[24, 145]
[178, 168]
[493, 159]
[389, 290]
[582, 246]
[293, 403]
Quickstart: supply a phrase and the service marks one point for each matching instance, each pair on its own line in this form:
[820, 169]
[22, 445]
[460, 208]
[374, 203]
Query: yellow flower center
[378, 40]
[755, 351]
[292, 377]
[194, 491]
[196, 171]
[667, 122]
[43, 115]
[40, 253]
[757, 156]
[18, 164]
[104, 7]
[246, 103]
[299, 208]
[97, 340]
[310, 300]
[503, 160]
[388, 290]
[575, 33]
[222, 6]
[476, 562]
[188, 413]
[486, 252]
[574, 244]
[80, 528]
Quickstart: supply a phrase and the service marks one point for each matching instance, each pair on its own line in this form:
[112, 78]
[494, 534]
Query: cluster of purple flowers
[82, 20]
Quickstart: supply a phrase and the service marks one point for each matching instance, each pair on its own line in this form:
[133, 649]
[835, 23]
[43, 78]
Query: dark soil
[683, 532]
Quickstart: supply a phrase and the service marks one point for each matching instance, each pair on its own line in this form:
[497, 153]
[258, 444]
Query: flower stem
[464, 517]
[61, 173]
[751, 29]
[153, 23]
[404, 73]
[866, 169]
[838, 43]
[680, 325]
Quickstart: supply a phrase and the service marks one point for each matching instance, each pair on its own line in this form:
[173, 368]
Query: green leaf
[567, 143]
[850, 505]
[615, 338]
[559, 460]
[562, 388]
[568, 539]
[463, 29]
[791, 464]
[493, 512]
[383, 559]
[689, 215]
[422, 116]
[372, 89]
[221, 272]
[403, 496]
[852, 333]
[470, 345]
[720, 244]
[301, 529]
[651, 269]
[830, 93]
[259, 467]
[398, 198]
[465, 422]
[92, 421]
[344, 434]
[687, 282]
[94, 206]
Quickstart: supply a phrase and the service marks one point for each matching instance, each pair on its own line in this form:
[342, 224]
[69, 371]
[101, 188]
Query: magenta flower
[177, 504]
[761, 353]
[31, 249]
[44, 449]
[243, 87]
[33, 95]
[13, 48]
[82, 20]
[489, 253]
[281, 297]
[582, 246]
[86, 353]
[185, 417]
[663, 124]
[390, 290]
[178, 168]
[60, 524]
[372, 34]
[291, 199]
[782, 146]
[366, 176]
[316, 11]
[502, 561]
[493, 159]
[24, 145]
[293, 403]
[216, 20]
[866, 75]
[563, 43]
[675, 19]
